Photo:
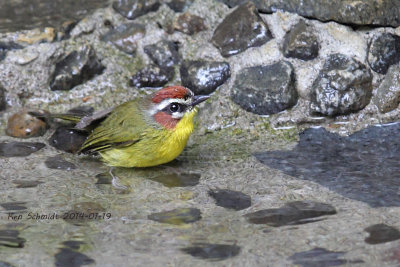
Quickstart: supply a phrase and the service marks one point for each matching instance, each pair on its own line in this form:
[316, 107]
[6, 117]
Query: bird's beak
[197, 99]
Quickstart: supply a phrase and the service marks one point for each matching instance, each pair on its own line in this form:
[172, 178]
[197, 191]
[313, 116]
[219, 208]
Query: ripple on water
[19, 149]
[212, 251]
[364, 166]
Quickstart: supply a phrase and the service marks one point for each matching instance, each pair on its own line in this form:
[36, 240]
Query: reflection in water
[364, 166]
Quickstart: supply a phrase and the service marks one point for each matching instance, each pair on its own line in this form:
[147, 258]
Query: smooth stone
[71, 258]
[26, 183]
[240, 30]
[3, 103]
[177, 216]
[75, 68]
[189, 24]
[344, 85]
[57, 162]
[163, 53]
[292, 213]
[381, 233]
[266, 89]
[363, 166]
[14, 206]
[24, 125]
[179, 5]
[131, 9]
[212, 251]
[383, 51]
[387, 97]
[204, 77]
[19, 149]
[177, 180]
[230, 199]
[301, 42]
[10, 238]
[152, 76]
[67, 139]
[125, 36]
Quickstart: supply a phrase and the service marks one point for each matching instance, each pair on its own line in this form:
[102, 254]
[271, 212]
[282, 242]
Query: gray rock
[75, 68]
[6, 46]
[383, 51]
[179, 5]
[344, 85]
[67, 139]
[3, 103]
[373, 12]
[265, 89]
[381, 233]
[125, 36]
[204, 77]
[19, 149]
[301, 42]
[212, 252]
[230, 199]
[131, 9]
[387, 96]
[241, 29]
[152, 76]
[163, 54]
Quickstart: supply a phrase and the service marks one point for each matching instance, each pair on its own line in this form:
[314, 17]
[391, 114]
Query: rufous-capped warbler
[143, 132]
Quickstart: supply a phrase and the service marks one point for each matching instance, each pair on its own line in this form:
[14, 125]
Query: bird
[143, 132]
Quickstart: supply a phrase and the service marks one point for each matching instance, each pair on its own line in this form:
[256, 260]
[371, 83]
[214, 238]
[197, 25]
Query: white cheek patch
[163, 104]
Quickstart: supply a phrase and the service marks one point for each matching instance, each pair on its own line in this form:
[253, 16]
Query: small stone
[240, 30]
[387, 96]
[4, 47]
[75, 68]
[152, 76]
[298, 212]
[344, 85]
[104, 178]
[19, 149]
[212, 251]
[131, 9]
[57, 162]
[177, 180]
[125, 36]
[381, 233]
[265, 89]
[38, 36]
[3, 103]
[67, 139]
[230, 199]
[177, 216]
[24, 125]
[26, 183]
[179, 5]
[72, 258]
[163, 54]
[10, 238]
[189, 24]
[14, 206]
[204, 77]
[320, 257]
[383, 51]
[301, 42]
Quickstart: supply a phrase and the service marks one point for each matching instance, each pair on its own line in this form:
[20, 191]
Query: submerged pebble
[230, 199]
[177, 216]
[71, 258]
[104, 178]
[26, 183]
[57, 162]
[14, 206]
[67, 139]
[24, 125]
[10, 238]
[212, 251]
[381, 233]
[19, 149]
[177, 179]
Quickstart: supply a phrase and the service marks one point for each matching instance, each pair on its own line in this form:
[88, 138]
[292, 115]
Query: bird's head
[171, 104]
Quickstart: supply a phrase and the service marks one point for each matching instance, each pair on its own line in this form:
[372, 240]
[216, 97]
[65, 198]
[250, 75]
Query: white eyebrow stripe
[163, 104]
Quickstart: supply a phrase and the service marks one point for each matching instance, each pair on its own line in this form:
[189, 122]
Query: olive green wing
[123, 127]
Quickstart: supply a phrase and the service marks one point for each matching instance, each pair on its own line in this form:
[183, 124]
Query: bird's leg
[116, 182]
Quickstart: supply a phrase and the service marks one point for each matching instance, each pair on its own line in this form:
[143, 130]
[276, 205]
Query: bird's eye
[174, 107]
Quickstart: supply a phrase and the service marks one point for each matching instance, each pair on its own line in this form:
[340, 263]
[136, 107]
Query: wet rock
[57, 162]
[230, 199]
[10, 238]
[188, 24]
[26, 183]
[14, 206]
[265, 89]
[212, 251]
[104, 178]
[132, 9]
[6, 46]
[19, 149]
[320, 257]
[363, 166]
[387, 96]
[71, 258]
[301, 42]
[152, 76]
[374, 12]
[203, 77]
[344, 85]
[297, 212]
[177, 216]
[67, 139]
[3, 103]
[383, 51]
[241, 29]
[24, 125]
[178, 180]
[47, 35]
[75, 68]
[125, 36]
[381, 233]
[163, 54]
[179, 5]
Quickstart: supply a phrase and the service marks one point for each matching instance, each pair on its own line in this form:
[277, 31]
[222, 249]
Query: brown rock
[24, 125]
[189, 24]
